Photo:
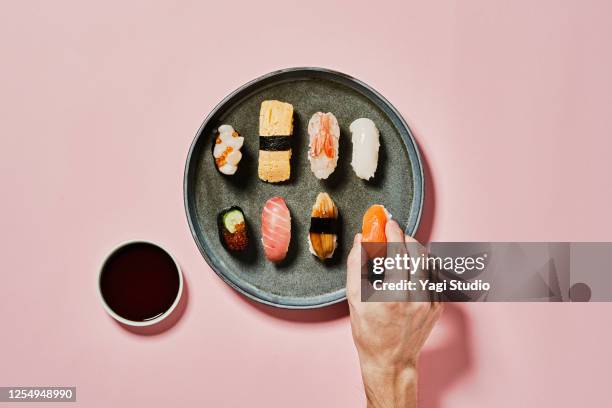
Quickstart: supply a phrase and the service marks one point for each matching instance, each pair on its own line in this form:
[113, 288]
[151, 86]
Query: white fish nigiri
[275, 229]
[324, 133]
[366, 142]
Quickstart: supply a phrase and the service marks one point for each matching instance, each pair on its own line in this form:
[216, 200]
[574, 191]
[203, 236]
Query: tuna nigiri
[324, 133]
[373, 230]
[366, 142]
[275, 229]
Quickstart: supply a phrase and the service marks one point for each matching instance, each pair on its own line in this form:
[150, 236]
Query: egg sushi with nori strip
[323, 232]
[365, 137]
[324, 134]
[226, 150]
[233, 229]
[275, 130]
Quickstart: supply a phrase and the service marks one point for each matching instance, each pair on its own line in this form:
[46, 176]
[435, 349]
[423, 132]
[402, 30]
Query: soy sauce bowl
[140, 283]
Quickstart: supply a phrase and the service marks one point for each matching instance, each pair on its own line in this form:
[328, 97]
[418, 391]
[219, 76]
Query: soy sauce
[139, 281]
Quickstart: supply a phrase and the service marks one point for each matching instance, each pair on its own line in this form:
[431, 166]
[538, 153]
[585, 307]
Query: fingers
[421, 274]
[395, 247]
[396, 251]
[414, 247]
[393, 232]
[437, 308]
[418, 249]
[408, 238]
[353, 271]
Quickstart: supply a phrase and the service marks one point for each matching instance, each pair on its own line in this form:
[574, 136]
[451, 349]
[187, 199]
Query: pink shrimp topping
[323, 140]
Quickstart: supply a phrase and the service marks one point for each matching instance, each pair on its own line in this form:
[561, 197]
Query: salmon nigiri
[373, 230]
[275, 229]
[374, 222]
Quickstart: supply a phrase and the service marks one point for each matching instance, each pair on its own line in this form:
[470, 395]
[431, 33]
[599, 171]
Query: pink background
[511, 105]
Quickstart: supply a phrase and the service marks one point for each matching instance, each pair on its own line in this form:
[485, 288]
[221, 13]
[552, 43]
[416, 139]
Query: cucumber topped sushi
[232, 229]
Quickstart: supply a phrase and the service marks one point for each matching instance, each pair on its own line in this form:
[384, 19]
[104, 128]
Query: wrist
[390, 386]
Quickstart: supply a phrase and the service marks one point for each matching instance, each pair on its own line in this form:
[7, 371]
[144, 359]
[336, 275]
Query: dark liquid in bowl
[139, 282]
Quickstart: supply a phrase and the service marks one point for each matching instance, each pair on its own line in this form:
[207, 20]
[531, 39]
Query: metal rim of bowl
[416, 207]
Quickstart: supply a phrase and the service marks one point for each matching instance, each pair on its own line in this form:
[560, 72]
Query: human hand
[388, 335]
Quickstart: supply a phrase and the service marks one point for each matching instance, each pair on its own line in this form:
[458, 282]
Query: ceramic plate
[301, 281]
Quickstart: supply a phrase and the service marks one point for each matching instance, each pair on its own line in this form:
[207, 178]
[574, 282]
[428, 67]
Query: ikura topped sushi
[365, 137]
[275, 229]
[322, 236]
[324, 134]
[232, 229]
[226, 150]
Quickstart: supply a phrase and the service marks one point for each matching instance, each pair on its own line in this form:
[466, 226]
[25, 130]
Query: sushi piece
[275, 129]
[322, 236]
[374, 223]
[373, 230]
[232, 229]
[366, 142]
[324, 134]
[226, 149]
[275, 229]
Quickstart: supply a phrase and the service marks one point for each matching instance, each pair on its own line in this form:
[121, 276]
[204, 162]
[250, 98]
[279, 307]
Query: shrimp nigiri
[324, 136]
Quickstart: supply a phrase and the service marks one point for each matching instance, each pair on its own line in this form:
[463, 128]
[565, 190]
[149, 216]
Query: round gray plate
[301, 281]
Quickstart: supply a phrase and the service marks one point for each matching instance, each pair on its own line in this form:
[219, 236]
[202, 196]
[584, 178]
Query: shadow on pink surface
[329, 313]
[423, 234]
[166, 324]
[448, 360]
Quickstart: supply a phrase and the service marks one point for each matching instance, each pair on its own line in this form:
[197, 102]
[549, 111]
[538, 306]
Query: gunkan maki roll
[232, 229]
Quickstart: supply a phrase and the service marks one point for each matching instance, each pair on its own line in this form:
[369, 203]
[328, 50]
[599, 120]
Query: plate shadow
[324, 314]
[424, 231]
